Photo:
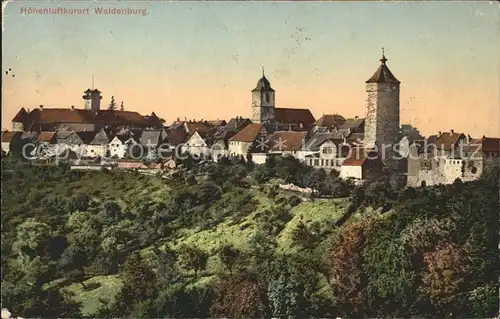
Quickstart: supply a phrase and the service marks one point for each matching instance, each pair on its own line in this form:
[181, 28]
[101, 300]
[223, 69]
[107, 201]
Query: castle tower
[382, 104]
[263, 101]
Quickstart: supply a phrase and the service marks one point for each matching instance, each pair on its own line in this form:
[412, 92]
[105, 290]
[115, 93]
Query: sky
[200, 60]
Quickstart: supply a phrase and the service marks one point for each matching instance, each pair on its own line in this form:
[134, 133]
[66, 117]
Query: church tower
[382, 104]
[263, 101]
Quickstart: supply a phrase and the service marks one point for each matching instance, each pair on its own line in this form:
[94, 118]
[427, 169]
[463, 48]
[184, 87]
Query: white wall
[237, 148]
[351, 171]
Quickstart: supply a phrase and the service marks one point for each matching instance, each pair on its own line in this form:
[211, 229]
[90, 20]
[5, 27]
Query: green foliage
[230, 257]
[193, 258]
[255, 250]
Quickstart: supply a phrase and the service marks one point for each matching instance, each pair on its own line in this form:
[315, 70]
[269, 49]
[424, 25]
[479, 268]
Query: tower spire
[383, 59]
[92, 81]
[263, 71]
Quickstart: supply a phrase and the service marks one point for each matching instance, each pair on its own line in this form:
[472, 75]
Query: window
[316, 162]
[322, 163]
[267, 97]
[333, 162]
[327, 150]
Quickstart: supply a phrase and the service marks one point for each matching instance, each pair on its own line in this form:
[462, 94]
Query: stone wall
[262, 110]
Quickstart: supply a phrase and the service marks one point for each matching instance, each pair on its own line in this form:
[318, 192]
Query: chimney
[356, 117]
[452, 131]
[41, 107]
[72, 107]
[439, 133]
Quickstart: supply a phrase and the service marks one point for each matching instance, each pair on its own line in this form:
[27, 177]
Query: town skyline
[448, 81]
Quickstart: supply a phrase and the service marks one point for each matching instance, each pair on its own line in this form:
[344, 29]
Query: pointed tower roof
[263, 84]
[383, 74]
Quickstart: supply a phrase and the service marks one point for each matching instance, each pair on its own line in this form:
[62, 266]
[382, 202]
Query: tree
[73, 261]
[447, 269]
[139, 281]
[242, 296]
[122, 108]
[112, 104]
[193, 258]
[32, 239]
[412, 133]
[230, 257]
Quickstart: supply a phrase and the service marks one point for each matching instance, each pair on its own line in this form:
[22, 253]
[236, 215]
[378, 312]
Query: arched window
[267, 97]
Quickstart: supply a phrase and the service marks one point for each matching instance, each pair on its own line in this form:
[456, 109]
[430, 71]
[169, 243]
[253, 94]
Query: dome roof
[263, 85]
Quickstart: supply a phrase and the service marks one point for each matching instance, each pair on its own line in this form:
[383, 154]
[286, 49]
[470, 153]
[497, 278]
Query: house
[241, 143]
[362, 164]
[10, 141]
[51, 119]
[91, 118]
[284, 143]
[220, 146]
[197, 144]
[98, 146]
[329, 121]
[121, 146]
[326, 150]
[46, 144]
[69, 141]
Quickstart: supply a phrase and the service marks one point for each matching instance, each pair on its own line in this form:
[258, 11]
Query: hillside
[222, 240]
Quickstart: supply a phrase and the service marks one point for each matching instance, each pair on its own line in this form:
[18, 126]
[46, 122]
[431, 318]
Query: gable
[195, 139]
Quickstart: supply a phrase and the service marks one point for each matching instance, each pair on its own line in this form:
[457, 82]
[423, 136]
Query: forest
[223, 240]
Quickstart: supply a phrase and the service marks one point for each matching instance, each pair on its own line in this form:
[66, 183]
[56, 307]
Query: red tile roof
[8, 136]
[330, 120]
[21, 116]
[201, 127]
[46, 136]
[294, 116]
[286, 141]
[491, 144]
[55, 115]
[448, 141]
[248, 134]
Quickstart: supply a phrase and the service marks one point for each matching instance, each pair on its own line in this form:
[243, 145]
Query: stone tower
[92, 99]
[263, 101]
[382, 104]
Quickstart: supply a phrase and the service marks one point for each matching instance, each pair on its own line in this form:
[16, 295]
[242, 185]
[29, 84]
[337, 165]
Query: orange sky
[201, 60]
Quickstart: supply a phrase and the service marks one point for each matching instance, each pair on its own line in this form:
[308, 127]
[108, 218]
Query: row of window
[324, 162]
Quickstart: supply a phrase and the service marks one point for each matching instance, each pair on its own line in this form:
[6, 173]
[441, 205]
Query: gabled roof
[153, 137]
[46, 136]
[176, 137]
[237, 123]
[21, 116]
[101, 138]
[217, 122]
[383, 74]
[448, 140]
[201, 127]
[9, 136]
[330, 120]
[286, 141]
[352, 123]
[294, 116]
[248, 134]
[86, 136]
